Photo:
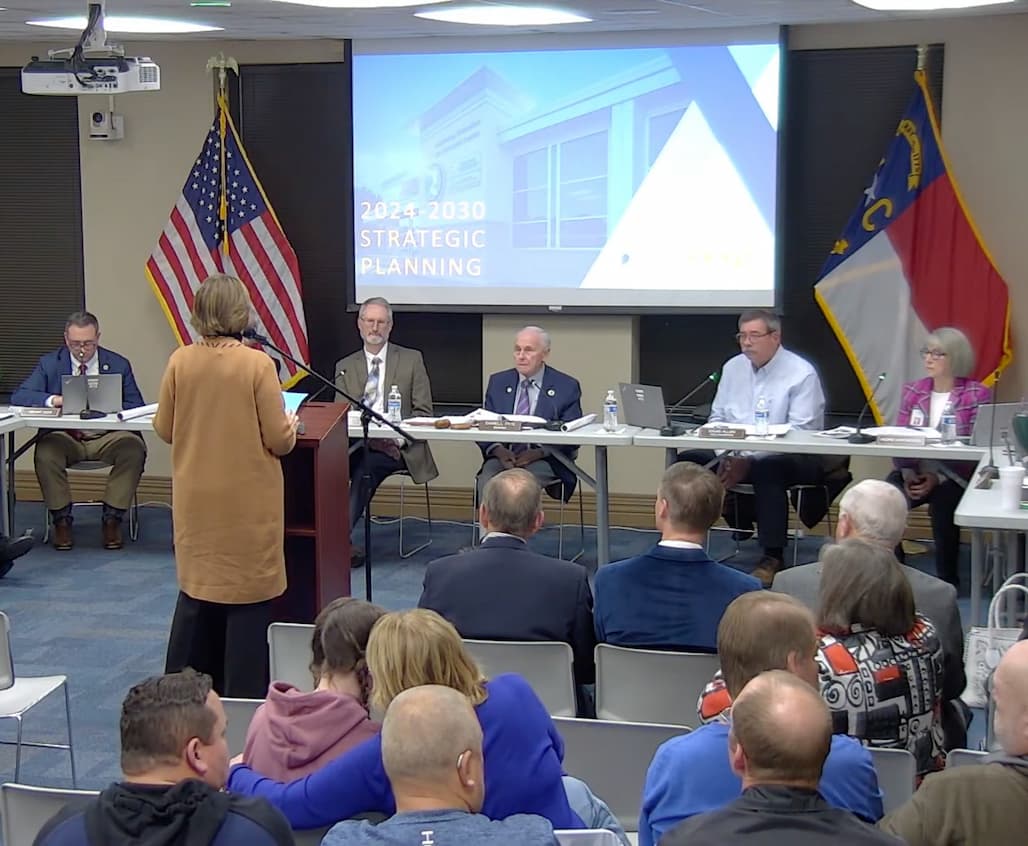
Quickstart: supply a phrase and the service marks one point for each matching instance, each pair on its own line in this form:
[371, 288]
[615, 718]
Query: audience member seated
[881, 662]
[12, 549]
[411, 648]
[432, 755]
[174, 758]
[56, 450]
[779, 741]
[503, 590]
[691, 774]
[370, 374]
[793, 391]
[297, 732]
[985, 803]
[673, 595]
[948, 361]
[532, 387]
[875, 511]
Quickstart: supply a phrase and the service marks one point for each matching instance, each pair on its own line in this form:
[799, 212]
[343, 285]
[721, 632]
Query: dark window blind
[41, 275]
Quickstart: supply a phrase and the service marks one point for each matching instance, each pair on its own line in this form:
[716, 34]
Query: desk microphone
[253, 335]
[88, 413]
[859, 437]
[709, 378]
[990, 471]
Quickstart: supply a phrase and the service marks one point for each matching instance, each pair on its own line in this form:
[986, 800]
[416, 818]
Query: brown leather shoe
[63, 539]
[112, 533]
[767, 568]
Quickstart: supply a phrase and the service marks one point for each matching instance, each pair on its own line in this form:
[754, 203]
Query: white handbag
[986, 645]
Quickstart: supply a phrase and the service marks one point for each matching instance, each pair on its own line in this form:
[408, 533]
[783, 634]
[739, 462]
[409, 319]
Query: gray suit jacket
[933, 597]
[405, 369]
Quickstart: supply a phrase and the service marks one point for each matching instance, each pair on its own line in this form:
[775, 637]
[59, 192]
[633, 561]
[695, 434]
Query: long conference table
[979, 510]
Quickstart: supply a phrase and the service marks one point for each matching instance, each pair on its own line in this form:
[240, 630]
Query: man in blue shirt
[692, 774]
[792, 390]
[432, 754]
[672, 595]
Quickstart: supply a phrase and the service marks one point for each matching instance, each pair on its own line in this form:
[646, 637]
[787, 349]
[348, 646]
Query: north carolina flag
[909, 261]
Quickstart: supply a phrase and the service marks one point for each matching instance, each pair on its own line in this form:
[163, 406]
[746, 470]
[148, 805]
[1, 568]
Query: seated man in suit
[503, 590]
[876, 512]
[672, 595]
[174, 757]
[370, 373]
[691, 774]
[56, 450]
[532, 387]
[792, 389]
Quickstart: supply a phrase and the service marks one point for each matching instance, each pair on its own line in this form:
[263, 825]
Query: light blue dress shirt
[789, 383]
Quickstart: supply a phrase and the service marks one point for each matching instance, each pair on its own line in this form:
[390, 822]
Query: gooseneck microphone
[253, 335]
[859, 437]
[990, 471]
[710, 378]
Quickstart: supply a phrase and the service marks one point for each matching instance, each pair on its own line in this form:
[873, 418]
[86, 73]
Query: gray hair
[878, 511]
[771, 320]
[512, 499]
[544, 336]
[379, 301]
[957, 348]
[425, 730]
[82, 319]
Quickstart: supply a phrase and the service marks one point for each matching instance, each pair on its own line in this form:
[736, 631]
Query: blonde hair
[221, 306]
[413, 648]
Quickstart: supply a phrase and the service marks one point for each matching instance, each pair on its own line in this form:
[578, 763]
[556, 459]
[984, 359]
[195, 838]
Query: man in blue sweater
[175, 759]
[432, 753]
[674, 594]
[692, 774]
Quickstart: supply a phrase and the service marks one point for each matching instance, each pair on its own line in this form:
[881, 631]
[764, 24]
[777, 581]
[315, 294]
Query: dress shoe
[11, 549]
[766, 569]
[356, 559]
[63, 539]
[112, 533]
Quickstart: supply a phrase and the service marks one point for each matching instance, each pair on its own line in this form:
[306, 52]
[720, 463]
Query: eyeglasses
[81, 345]
[933, 354]
[368, 322]
[751, 336]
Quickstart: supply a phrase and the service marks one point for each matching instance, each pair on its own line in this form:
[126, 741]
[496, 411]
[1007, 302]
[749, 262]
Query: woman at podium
[221, 409]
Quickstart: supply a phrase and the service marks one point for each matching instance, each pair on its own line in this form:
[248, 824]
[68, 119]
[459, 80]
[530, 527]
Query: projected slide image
[643, 176]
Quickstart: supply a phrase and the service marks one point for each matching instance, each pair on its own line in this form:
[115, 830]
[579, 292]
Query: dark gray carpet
[102, 619]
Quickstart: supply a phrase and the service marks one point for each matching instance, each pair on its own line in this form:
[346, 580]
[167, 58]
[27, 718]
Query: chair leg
[581, 527]
[71, 746]
[560, 531]
[17, 752]
[799, 526]
[46, 524]
[427, 543]
[474, 513]
[134, 519]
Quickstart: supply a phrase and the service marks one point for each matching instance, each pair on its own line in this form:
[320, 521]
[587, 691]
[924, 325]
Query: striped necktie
[524, 405]
[371, 386]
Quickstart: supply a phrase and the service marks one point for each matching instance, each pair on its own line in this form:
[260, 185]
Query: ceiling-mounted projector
[90, 67]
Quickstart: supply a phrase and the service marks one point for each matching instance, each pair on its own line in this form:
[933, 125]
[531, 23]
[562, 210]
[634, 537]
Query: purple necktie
[524, 405]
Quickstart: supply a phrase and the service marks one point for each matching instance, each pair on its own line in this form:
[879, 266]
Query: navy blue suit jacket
[560, 398]
[666, 597]
[505, 591]
[45, 381]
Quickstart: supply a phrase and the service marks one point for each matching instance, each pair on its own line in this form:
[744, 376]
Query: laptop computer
[983, 428]
[643, 405]
[104, 393]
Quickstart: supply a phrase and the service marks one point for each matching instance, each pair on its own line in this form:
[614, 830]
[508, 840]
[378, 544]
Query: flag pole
[922, 57]
[222, 64]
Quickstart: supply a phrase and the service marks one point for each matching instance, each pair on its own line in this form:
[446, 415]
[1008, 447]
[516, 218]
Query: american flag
[222, 195]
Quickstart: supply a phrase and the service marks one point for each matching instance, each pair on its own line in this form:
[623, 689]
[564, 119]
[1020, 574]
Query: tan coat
[221, 410]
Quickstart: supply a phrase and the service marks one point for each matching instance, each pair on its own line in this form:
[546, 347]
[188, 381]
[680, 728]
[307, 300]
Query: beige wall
[128, 188]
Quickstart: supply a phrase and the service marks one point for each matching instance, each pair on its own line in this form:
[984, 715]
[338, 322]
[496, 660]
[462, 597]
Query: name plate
[902, 440]
[40, 412]
[714, 430]
[499, 426]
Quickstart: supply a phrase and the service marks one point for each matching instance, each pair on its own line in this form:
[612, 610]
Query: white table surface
[980, 509]
[591, 435]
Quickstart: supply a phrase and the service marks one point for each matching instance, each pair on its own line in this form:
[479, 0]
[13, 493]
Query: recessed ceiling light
[360, 4]
[925, 5]
[503, 15]
[120, 23]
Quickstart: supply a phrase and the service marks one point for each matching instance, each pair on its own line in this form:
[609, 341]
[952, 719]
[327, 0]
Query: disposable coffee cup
[1010, 479]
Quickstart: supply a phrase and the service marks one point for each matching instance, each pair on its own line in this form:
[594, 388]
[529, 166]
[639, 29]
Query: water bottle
[393, 407]
[761, 416]
[948, 424]
[610, 412]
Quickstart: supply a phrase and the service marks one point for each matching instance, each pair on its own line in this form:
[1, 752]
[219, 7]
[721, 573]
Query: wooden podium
[317, 541]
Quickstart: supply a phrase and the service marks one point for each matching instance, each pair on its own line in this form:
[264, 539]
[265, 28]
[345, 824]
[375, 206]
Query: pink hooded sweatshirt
[295, 733]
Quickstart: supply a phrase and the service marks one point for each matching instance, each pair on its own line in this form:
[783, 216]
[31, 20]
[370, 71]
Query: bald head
[512, 502]
[781, 732]
[432, 748]
[1010, 692]
[873, 511]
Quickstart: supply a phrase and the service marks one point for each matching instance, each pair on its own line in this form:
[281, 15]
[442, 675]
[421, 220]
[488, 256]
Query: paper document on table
[141, 411]
[571, 425]
[839, 432]
[928, 434]
[480, 414]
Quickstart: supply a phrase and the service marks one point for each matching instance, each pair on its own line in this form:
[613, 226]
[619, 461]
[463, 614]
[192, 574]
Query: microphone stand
[673, 429]
[990, 471]
[367, 415]
[88, 413]
[859, 437]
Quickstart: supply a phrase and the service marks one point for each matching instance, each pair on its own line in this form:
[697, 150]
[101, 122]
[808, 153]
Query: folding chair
[964, 757]
[613, 759]
[404, 478]
[897, 772]
[586, 837]
[27, 809]
[545, 665]
[289, 654]
[239, 713]
[91, 467]
[650, 686]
